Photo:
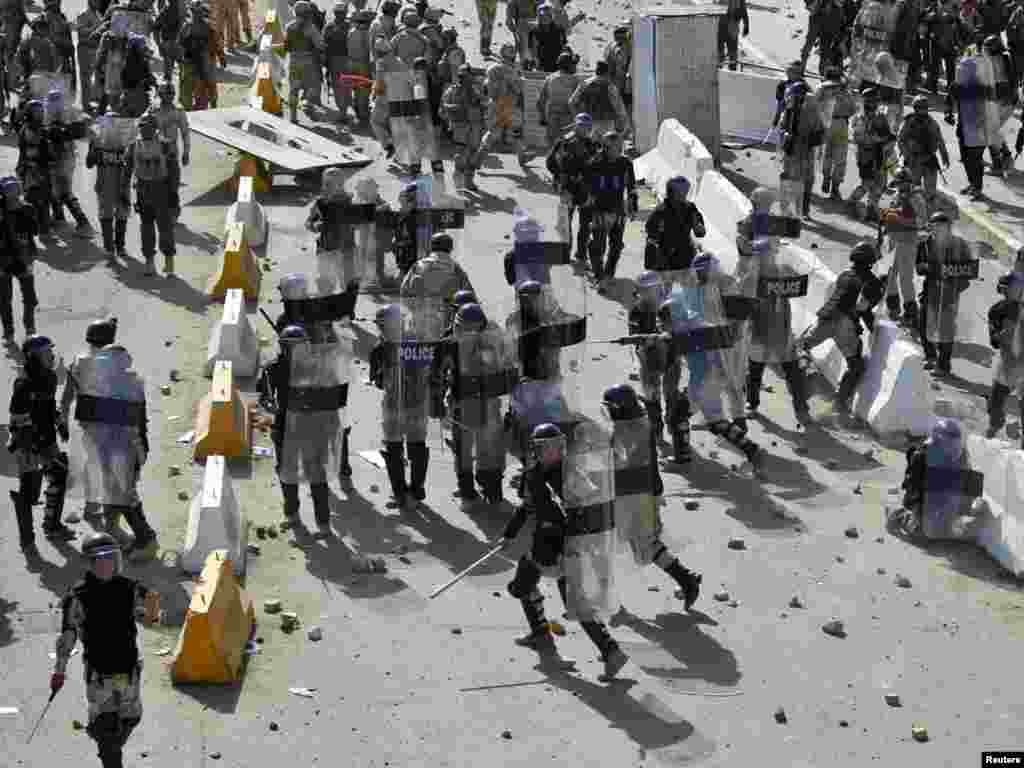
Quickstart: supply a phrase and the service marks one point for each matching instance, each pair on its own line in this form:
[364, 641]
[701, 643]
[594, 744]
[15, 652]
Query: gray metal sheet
[273, 139]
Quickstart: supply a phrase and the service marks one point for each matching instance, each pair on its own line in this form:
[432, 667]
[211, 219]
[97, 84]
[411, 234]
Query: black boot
[945, 363]
[53, 507]
[146, 546]
[84, 228]
[910, 314]
[346, 467]
[290, 492]
[679, 424]
[107, 228]
[930, 353]
[120, 230]
[849, 382]
[688, 581]
[612, 656]
[321, 509]
[755, 378]
[394, 460]
[57, 212]
[892, 305]
[997, 408]
[23, 514]
[467, 488]
[736, 435]
[489, 481]
[419, 458]
[655, 416]
[797, 389]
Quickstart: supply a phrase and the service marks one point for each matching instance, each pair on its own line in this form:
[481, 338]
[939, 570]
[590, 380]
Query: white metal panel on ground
[273, 139]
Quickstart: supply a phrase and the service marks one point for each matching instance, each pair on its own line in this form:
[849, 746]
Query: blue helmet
[35, 344]
[622, 402]
[293, 334]
[464, 296]
[470, 315]
[648, 279]
[546, 431]
[679, 185]
[529, 288]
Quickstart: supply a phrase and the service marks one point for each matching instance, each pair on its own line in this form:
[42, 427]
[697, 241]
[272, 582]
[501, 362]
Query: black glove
[1020, 140]
[993, 341]
[62, 430]
[868, 319]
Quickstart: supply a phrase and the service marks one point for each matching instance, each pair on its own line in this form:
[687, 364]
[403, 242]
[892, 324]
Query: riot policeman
[553, 100]
[434, 280]
[857, 290]
[37, 53]
[409, 43]
[63, 132]
[948, 265]
[98, 334]
[653, 352]
[110, 445]
[36, 157]
[360, 46]
[34, 429]
[568, 490]
[390, 71]
[60, 36]
[172, 122]
[108, 149]
[838, 106]
[1006, 98]
[1006, 336]
[612, 198]
[902, 222]
[977, 124]
[464, 108]
[147, 162]
[110, 62]
[100, 611]
[874, 139]
[774, 276]
[599, 98]
[919, 139]
[303, 43]
[568, 162]
[503, 85]
[637, 483]
[19, 254]
[331, 219]
[481, 372]
[941, 490]
[670, 230]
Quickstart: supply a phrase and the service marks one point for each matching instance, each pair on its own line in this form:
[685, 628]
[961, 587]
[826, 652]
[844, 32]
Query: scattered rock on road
[316, 634]
[795, 602]
[737, 544]
[834, 628]
[852, 532]
[692, 505]
[893, 700]
[919, 732]
[722, 597]
[780, 716]
[904, 582]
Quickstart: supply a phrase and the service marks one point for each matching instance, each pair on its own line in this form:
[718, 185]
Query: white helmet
[294, 286]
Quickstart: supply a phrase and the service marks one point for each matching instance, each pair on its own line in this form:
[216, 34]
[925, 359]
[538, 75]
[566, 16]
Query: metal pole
[46, 709]
[465, 572]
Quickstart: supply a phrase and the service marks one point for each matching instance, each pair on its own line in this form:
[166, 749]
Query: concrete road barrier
[678, 152]
[233, 339]
[248, 211]
[215, 521]
[223, 424]
[238, 267]
[1002, 535]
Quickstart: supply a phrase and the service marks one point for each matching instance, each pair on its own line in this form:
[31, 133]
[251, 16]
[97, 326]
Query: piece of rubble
[271, 606]
[215, 755]
[252, 549]
[844, 723]
[880, 571]
[795, 602]
[780, 716]
[919, 732]
[456, 630]
[858, 490]
[77, 725]
[840, 559]
[182, 495]
[691, 505]
[722, 597]
[654, 588]
[852, 532]
[289, 621]
[165, 389]
[315, 634]
[734, 603]
[879, 540]
[374, 488]
[405, 559]
[903, 582]
[893, 700]
[272, 532]
[273, 725]
[834, 628]
[173, 471]
[831, 464]
[175, 375]
[506, 734]
[737, 544]
[261, 532]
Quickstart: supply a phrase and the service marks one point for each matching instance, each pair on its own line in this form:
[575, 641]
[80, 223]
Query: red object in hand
[355, 81]
[56, 682]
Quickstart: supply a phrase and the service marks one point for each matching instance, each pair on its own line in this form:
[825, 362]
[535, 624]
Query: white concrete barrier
[895, 394]
[718, 195]
[1002, 535]
[677, 153]
[215, 521]
[247, 211]
[233, 339]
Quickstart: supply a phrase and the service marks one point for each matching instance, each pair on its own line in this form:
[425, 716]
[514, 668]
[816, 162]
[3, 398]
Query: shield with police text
[106, 449]
[420, 395]
[588, 496]
[950, 267]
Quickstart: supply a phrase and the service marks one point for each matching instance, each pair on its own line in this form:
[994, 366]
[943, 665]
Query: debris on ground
[692, 505]
[834, 628]
[316, 634]
[737, 544]
[903, 582]
[852, 532]
[919, 732]
[893, 700]
[271, 606]
[780, 716]
[722, 597]
[795, 602]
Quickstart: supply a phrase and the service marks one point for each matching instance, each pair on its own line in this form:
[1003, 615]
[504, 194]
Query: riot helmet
[993, 45]
[613, 144]
[941, 227]
[381, 46]
[100, 333]
[601, 69]
[449, 36]
[411, 17]
[465, 72]
[463, 297]
[565, 63]
[864, 252]
[147, 126]
[621, 402]
[11, 188]
[583, 124]
[38, 353]
[332, 184]
[920, 104]
[104, 555]
[166, 91]
[433, 15]
[508, 53]
[441, 243]
[470, 319]
[340, 9]
[294, 286]
[870, 98]
[36, 111]
[547, 444]
[677, 189]
[389, 320]
[621, 33]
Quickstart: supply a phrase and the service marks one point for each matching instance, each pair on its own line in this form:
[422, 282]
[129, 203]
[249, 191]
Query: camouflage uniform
[504, 89]
[303, 43]
[86, 23]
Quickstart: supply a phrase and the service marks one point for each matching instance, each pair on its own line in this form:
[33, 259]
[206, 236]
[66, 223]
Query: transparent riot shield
[480, 369]
[779, 274]
[375, 266]
[706, 338]
[435, 211]
[872, 34]
[549, 323]
[588, 497]
[979, 113]
[950, 486]
[637, 521]
[1010, 365]
[136, 21]
[316, 401]
[419, 396]
[106, 450]
[948, 317]
[1003, 88]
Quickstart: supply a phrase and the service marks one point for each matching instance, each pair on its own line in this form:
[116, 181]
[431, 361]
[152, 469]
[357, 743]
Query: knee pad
[526, 579]
[856, 365]
[105, 730]
[719, 428]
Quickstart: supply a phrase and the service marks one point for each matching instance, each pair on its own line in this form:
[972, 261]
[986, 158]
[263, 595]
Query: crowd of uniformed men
[508, 379]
